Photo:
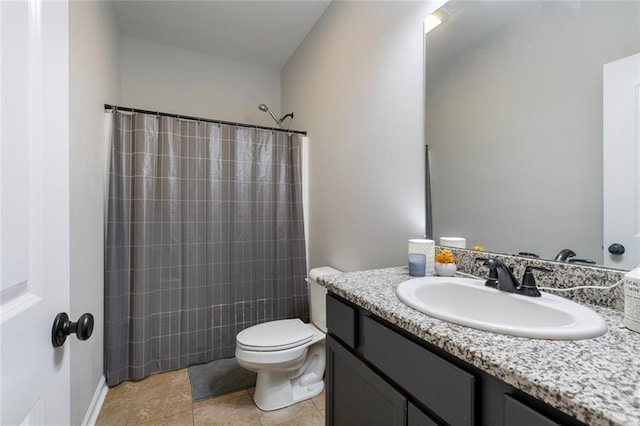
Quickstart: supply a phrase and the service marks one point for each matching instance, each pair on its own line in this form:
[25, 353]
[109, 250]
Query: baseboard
[99, 396]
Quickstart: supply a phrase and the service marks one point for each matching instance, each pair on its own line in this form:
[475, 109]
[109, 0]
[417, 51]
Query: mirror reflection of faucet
[568, 255]
[564, 254]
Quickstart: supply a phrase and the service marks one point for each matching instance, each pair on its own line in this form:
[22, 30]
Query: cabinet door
[415, 417]
[356, 395]
[518, 414]
[445, 389]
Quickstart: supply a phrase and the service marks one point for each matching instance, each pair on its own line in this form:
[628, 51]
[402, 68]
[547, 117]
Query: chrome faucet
[501, 277]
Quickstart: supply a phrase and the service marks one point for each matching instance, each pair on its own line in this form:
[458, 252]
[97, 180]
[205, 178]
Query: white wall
[163, 78]
[94, 71]
[356, 85]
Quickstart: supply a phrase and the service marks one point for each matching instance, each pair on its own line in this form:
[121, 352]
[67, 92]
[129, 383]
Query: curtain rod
[208, 120]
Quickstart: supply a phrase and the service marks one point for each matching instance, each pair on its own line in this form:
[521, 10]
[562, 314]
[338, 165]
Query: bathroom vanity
[388, 364]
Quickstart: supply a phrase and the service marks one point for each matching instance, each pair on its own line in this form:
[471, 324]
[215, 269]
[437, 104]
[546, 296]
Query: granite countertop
[595, 380]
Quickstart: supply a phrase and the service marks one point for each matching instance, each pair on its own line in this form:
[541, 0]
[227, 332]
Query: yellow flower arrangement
[478, 248]
[445, 256]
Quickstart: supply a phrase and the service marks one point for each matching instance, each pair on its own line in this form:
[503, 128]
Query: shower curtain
[205, 237]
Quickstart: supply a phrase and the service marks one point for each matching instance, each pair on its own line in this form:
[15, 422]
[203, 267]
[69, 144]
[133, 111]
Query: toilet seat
[275, 336]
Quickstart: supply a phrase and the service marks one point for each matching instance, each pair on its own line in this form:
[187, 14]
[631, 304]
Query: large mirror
[514, 121]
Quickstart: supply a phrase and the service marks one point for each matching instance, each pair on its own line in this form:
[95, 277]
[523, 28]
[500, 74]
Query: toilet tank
[317, 293]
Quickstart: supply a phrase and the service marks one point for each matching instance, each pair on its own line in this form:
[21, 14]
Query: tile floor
[165, 399]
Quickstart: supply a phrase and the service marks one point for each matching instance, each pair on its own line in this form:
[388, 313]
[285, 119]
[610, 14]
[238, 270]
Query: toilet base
[279, 389]
[273, 398]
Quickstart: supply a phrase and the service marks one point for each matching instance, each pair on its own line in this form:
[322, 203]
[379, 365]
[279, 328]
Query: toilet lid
[275, 335]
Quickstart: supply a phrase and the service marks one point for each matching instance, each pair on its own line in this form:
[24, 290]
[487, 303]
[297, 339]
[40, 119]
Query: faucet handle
[492, 281]
[528, 254]
[589, 261]
[529, 282]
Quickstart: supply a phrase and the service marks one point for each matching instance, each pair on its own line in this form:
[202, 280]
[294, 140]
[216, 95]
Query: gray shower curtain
[205, 237]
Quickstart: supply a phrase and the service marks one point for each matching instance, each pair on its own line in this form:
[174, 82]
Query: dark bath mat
[219, 377]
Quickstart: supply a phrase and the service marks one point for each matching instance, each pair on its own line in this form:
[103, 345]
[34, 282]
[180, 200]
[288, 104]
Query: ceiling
[263, 33]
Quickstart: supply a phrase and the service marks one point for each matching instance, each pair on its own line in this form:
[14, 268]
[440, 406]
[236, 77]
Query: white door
[34, 216]
[621, 166]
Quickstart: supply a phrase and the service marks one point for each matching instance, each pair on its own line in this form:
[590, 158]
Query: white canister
[632, 300]
[457, 242]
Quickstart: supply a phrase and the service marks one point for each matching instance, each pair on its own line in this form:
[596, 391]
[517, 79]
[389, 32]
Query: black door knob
[616, 248]
[62, 327]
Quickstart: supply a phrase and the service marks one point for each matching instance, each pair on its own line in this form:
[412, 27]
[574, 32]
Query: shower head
[264, 108]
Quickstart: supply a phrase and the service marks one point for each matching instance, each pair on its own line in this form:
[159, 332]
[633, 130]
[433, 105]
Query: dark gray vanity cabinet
[359, 395]
[378, 374]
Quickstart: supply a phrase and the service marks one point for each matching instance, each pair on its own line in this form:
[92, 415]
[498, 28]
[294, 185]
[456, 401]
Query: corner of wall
[356, 84]
[94, 76]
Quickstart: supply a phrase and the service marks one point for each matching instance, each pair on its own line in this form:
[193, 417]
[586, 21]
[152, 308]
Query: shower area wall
[205, 237]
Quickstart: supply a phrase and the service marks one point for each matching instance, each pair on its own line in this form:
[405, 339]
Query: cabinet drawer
[341, 321]
[445, 389]
[518, 414]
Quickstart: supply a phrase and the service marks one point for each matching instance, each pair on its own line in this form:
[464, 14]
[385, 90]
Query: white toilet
[288, 355]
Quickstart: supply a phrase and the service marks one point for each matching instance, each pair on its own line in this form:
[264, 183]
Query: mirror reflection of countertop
[595, 380]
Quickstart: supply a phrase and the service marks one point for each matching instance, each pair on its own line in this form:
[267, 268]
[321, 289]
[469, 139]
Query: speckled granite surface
[595, 380]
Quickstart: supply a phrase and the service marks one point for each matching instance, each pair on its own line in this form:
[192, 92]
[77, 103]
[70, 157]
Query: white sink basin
[469, 302]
